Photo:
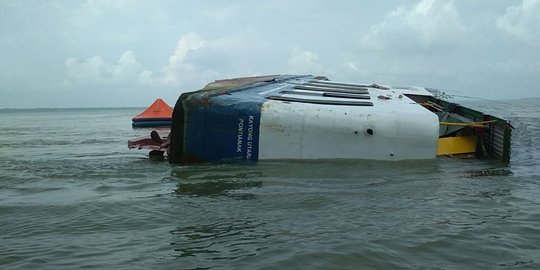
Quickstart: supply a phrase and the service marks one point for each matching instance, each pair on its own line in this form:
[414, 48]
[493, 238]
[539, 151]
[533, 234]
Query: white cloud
[95, 70]
[146, 77]
[522, 21]
[128, 70]
[196, 61]
[304, 62]
[89, 69]
[186, 43]
[430, 24]
[193, 62]
[178, 67]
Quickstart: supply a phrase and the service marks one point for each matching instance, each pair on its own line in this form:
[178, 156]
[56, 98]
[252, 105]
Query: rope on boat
[482, 124]
[432, 105]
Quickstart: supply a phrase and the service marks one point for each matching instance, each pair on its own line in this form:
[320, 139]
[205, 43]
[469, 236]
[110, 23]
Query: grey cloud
[428, 25]
[522, 21]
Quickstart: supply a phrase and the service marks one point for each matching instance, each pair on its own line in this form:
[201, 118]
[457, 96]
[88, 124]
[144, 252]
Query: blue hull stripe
[223, 131]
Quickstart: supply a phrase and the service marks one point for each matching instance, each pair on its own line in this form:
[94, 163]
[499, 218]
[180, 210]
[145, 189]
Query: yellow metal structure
[456, 145]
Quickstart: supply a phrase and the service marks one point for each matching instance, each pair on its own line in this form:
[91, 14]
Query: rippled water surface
[73, 196]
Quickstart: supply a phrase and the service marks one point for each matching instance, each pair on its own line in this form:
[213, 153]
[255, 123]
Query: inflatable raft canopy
[159, 114]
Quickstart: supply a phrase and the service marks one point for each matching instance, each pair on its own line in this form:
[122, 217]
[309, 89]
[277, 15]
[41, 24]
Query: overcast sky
[105, 53]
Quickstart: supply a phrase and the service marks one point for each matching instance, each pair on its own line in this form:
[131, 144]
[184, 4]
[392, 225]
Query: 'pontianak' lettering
[240, 135]
[244, 135]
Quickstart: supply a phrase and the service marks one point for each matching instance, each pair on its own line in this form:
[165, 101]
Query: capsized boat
[311, 117]
[158, 114]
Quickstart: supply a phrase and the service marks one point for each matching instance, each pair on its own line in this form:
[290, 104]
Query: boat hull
[287, 117]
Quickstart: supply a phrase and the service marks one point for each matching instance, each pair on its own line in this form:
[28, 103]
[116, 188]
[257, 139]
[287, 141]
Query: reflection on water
[306, 169]
[217, 188]
[202, 180]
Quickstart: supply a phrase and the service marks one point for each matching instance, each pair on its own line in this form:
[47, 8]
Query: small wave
[516, 263]
[488, 172]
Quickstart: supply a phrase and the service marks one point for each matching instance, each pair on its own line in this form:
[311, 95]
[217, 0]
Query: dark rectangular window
[322, 101]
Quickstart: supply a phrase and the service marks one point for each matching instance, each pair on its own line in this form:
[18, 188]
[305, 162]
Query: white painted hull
[311, 131]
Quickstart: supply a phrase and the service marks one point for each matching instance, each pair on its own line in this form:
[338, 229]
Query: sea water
[72, 195]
